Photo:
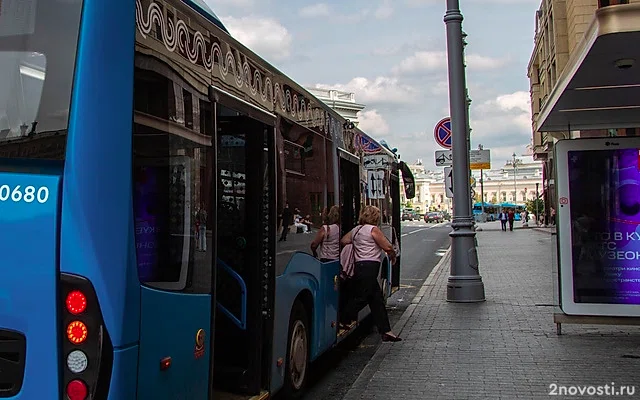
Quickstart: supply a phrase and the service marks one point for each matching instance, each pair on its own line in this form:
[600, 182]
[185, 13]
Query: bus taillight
[77, 332]
[76, 302]
[86, 357]
[77, 390]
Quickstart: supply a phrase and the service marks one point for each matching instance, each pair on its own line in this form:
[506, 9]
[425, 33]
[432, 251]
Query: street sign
[479, 159]
[442, 133]
[376, 161]
[443, 158]
[472, 181]
[448, 182]
[375, 187]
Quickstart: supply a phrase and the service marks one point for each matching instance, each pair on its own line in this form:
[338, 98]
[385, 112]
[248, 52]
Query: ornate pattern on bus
[193, 46]
[366, 144]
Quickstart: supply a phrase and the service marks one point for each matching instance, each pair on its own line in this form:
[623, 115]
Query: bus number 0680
[28, 195]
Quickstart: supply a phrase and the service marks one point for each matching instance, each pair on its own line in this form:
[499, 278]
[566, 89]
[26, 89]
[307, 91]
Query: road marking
[406, 286]
[441, 252]
[424, 229]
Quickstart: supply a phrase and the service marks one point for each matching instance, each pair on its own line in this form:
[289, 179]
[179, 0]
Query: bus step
[345, 330]
[218, 395]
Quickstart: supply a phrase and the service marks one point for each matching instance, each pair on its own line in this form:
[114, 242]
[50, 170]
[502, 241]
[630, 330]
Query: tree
[494, 199]
[531, 206]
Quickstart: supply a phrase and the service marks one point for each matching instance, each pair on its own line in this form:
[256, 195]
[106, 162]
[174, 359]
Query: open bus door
[395, 223]
[246, 224]
[349, 190]
[410, 192]
[349, 209]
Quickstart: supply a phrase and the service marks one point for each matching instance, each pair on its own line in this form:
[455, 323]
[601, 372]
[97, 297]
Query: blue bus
[145, 158]
[493, 210]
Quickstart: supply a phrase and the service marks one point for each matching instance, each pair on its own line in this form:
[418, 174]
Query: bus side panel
[125, 373]
[330, 295]
[169, 324]
[302, 273]
[28, 287]
[96, 238]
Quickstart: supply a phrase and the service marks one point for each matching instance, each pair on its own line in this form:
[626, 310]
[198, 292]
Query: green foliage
[531, 206]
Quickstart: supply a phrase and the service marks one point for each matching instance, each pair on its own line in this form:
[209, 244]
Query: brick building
[584, 81]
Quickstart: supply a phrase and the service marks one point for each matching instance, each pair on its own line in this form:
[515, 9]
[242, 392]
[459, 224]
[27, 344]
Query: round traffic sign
[442, 133]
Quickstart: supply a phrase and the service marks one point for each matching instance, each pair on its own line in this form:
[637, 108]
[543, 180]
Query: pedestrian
[202, 228]
[287, 221]
[368, 244]
[326, 244]
[512, 218]
[503, 220]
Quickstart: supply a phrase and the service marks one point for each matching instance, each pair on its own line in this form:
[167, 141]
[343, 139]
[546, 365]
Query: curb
[552, 233]
[378, 357]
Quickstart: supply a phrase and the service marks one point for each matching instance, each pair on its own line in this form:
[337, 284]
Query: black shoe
[388, 338]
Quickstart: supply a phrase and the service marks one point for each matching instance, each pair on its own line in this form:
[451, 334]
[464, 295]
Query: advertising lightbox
[598, 217]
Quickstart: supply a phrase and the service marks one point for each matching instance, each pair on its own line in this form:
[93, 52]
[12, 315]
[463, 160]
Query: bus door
[246, 223]
[350, 203]
[395, 223]
[349, 189]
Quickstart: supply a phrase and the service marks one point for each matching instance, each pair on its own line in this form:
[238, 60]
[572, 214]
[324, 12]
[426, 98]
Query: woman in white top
[368, 244]
[328, 238]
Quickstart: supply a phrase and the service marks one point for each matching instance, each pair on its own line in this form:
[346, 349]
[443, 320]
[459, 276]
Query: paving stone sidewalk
[504, 348]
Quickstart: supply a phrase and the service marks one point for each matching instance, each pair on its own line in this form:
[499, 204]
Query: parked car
[409, 214]
[433, 217]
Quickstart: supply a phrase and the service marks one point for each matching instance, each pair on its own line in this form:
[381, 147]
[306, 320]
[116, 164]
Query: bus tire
[297, 365]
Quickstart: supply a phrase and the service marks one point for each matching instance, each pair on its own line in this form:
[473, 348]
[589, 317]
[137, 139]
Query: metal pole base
[465, 283]
[465, 289]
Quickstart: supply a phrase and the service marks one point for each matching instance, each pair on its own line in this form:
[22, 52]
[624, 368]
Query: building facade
[566, 31]
[508, 184]
[344, 103]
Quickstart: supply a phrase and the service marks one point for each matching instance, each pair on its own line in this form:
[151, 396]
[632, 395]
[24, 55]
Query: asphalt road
[333, 374]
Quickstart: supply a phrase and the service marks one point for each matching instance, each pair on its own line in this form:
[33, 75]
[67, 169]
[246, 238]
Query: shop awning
[600, 86]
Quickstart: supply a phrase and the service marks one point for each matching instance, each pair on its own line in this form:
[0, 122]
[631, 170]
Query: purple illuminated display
[147, 223]
[605, 215]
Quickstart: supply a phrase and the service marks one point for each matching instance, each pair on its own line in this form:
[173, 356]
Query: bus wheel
[297, 352]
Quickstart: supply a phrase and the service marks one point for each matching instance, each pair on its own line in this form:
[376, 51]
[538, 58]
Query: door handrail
[242, 322]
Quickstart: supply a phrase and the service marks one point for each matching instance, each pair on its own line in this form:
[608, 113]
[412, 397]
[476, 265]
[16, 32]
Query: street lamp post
[480, 147]
[464, 283]
[515, 186]
[537, 202]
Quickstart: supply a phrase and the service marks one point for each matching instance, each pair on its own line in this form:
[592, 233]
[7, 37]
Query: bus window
[37, 56]
[303, 195]
[172, 182]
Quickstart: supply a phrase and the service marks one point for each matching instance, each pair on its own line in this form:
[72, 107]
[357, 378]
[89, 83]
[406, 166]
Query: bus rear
[53, 308]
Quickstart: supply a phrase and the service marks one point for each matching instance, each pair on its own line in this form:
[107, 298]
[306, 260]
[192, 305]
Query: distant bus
[145, 159]
[492, 210]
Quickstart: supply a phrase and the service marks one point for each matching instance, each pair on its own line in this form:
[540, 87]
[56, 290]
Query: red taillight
[76, 302]
[77, 332]
[77, 390]
[86, 357]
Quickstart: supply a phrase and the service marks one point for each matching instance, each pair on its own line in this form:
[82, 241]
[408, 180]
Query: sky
[392, 55]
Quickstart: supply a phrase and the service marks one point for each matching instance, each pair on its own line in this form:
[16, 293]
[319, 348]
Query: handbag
[348, 259]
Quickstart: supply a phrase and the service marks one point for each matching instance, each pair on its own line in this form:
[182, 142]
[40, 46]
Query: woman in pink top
[368, 244]
[328, 238]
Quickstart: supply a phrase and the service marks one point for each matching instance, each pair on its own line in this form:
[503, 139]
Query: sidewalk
[504, 348]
